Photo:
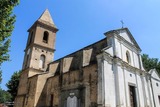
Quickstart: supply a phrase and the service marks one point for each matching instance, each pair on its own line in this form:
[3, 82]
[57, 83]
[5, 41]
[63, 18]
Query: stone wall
[82, 83]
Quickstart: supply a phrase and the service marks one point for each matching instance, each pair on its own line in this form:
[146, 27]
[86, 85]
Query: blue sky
[82, 22]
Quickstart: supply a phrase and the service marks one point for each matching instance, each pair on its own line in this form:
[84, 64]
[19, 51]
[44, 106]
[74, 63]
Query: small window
[157, 84]
[42, 61]
[128, 57]
[45, 37]
[130, 75]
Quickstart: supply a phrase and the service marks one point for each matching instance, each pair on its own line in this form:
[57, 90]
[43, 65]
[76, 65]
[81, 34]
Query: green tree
[150, 63]
[7, 19]
[4, 96]
[12, 84]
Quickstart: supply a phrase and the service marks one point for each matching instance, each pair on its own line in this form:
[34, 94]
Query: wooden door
[132, 93]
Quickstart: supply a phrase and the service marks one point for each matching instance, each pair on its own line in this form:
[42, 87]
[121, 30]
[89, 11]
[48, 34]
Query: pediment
[126, 35]
[154, 73]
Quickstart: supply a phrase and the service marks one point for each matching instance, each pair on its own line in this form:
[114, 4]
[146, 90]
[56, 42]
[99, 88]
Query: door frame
[135, 93]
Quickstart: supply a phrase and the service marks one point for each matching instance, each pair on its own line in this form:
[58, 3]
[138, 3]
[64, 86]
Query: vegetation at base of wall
[12, 84]
[150, 63]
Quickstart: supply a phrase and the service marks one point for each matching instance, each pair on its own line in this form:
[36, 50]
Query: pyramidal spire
[46, 16]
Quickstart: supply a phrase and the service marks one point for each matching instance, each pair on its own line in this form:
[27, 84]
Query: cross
[122, 23]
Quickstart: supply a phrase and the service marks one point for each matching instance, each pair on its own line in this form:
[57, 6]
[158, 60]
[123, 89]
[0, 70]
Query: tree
[4, 96]
[12, 84]
[150, 63]
[7, 19]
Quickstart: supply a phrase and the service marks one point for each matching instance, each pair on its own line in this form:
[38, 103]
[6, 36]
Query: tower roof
[46, 16]
[45, 19]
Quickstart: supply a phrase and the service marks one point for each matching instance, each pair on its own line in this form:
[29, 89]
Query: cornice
[113, 59]
[107, 57]
[33, 69]
[44, 24]
[155, 79]
[116, 32]
[126, 43]
[127, 66]
[39, 46]
[151, 77]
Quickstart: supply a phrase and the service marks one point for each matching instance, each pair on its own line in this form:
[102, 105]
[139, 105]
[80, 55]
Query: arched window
[45, 37]
[128, 58]
[42, 61]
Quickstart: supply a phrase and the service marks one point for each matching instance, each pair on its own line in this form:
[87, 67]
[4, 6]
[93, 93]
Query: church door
[132, 96]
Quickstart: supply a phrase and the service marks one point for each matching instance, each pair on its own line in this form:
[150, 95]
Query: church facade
[108, 73]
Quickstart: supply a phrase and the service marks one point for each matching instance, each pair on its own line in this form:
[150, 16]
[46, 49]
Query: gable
[125, 34]
[154, 73]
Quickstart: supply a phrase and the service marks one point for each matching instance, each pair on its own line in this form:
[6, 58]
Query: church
[108, 73]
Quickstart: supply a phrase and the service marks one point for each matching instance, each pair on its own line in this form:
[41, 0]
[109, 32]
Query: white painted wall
[117, 77]
[155, 81]
[146, 91]
[121, 50]
[117, 80]
[129, 79]
[141, 91]
[109, 81]
[136, 60]
[156, 90]
[122, 87]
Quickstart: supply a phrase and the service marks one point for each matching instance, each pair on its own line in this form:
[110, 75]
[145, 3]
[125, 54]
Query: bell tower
[39, 52]
[40, 46]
